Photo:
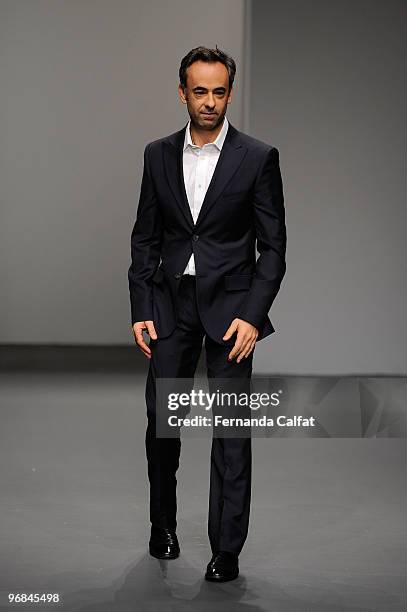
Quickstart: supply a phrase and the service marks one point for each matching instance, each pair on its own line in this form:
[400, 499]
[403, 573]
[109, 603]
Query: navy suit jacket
[243, 209]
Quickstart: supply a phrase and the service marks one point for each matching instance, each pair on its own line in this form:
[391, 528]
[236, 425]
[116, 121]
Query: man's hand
[138, 336]
[245, 340]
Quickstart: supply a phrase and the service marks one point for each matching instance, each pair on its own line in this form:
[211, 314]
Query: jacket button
[195, 237]
[178, 275]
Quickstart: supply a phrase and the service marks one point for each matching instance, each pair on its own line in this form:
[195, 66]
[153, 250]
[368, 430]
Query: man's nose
[210, 102]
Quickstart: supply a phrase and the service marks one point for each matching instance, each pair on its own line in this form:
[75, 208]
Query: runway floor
[328, 525]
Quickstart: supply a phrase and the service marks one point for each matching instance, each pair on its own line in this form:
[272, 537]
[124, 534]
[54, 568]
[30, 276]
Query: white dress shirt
[199, 164]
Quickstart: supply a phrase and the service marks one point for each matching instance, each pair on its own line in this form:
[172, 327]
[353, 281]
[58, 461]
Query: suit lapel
[231, 156]
[172, 153]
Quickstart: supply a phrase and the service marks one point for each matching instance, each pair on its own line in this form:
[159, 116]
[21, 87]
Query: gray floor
[328, 523]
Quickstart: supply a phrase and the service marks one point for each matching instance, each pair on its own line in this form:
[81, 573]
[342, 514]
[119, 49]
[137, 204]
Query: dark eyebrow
[199, 87]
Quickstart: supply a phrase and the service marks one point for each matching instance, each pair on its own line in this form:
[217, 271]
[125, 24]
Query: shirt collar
[220, 139]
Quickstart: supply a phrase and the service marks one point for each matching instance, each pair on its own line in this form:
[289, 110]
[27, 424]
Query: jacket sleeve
[269, 220]
[145, 248]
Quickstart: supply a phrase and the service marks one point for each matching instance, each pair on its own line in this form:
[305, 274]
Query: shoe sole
[219, 579]
[157, 555]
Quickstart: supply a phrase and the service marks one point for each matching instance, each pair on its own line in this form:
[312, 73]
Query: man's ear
[182, 94]
[230, 95]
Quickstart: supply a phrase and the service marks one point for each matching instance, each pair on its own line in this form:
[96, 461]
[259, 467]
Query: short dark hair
[206, 55]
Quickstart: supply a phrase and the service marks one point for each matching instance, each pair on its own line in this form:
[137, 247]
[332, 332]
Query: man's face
[206, 94]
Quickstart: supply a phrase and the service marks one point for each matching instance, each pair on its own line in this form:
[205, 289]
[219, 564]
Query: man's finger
[252, 347]
[246, 351]
[143, 346]
[151, 329]
[237, 347]
[138, 334]
[138, 331]
[245, 348]
[146, 351]
[231, 330]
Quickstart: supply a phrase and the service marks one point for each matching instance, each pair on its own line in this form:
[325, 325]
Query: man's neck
[201, 137]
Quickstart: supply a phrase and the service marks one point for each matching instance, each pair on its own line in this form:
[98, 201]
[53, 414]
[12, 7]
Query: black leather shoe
[163, 543]
[222, 567]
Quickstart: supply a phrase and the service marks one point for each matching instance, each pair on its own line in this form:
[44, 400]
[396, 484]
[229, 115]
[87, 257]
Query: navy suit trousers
[177, 356]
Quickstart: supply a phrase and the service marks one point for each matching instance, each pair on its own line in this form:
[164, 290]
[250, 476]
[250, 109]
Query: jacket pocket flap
[238, 281]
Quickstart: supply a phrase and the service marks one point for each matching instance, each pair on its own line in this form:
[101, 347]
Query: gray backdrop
[328, 88]
[86, 84]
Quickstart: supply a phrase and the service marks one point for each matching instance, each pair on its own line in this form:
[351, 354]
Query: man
[208, 194]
